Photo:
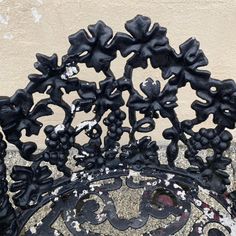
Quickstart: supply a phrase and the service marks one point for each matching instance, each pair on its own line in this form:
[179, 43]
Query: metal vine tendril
[34, 185]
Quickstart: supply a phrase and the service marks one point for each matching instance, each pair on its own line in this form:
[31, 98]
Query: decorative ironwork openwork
[172, 190]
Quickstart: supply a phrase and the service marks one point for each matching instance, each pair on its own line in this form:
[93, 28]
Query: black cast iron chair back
[35, 185]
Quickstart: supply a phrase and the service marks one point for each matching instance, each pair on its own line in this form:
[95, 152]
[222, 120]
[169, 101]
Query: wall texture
[31, 26]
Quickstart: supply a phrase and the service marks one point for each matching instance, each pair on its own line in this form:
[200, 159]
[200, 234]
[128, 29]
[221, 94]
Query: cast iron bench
[168, 189]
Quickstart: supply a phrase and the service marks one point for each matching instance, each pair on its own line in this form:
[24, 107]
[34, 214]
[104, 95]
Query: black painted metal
[173, 189]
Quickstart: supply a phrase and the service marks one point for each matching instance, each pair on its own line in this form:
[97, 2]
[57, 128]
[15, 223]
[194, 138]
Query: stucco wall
[31, 26]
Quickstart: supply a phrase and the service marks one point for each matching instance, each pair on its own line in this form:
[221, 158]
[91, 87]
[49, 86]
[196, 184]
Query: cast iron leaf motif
[93, 158]
[104, 98]
[140, 154]
[163, 101]
[144, 43]
[220, 98]
[30, 184]
[95, 51]
[90, 155]
[184, 66]
[53, 77]
[16, 115]
[47, 65]
[117, 152]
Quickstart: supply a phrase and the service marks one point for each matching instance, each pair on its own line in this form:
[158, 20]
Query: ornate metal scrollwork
[172, 190]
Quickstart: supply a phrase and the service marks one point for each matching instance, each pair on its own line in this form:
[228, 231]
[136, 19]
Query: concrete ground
[127, 203]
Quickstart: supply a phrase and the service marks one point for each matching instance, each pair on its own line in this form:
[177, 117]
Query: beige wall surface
[31, 26]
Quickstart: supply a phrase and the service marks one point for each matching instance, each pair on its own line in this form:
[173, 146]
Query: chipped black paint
[173, 189]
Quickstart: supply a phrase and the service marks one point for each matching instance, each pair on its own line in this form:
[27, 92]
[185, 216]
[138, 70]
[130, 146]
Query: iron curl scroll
[104, 156]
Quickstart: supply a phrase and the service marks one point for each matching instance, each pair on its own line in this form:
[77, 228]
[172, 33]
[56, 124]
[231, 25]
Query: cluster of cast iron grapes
[58, 145]
[206, 138]
[114, 122]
